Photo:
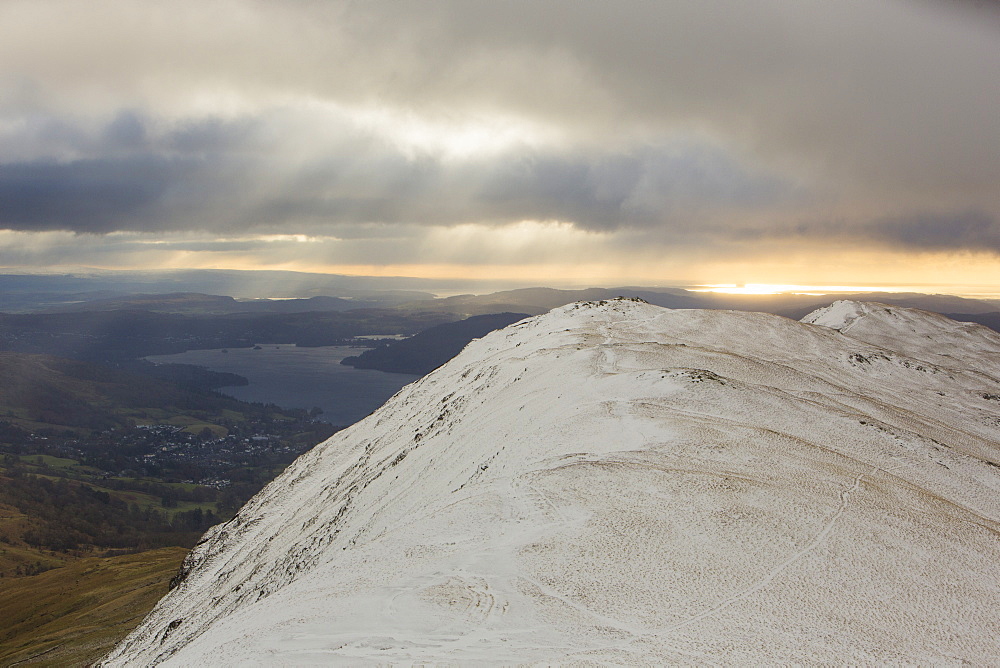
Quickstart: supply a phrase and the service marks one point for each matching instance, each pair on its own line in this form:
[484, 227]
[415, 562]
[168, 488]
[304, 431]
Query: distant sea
[294, 377]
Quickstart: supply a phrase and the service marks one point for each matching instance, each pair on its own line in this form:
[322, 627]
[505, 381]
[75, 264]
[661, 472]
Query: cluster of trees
[10, 433]
[72, 516]
[28, 569]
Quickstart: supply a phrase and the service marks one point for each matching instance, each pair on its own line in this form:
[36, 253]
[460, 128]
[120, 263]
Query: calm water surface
[293, 377]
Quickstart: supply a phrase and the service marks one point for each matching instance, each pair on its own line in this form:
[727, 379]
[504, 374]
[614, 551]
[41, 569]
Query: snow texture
[619, 483]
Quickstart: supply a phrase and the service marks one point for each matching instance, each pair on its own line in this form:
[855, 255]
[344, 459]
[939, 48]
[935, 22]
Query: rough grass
[14, 554]
[73, 615]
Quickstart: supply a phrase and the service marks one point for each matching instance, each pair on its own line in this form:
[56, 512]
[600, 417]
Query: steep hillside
[621, 483]
[71, 616]
[42, 391]
[429, 349]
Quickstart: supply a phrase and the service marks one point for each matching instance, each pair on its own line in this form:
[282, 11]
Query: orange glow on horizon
[569, 276]
[796, 270]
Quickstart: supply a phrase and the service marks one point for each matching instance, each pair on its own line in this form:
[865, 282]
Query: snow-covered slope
[928, 336]
[617, 482]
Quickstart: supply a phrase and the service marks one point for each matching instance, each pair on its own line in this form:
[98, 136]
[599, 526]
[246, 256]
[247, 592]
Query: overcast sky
[598, 142]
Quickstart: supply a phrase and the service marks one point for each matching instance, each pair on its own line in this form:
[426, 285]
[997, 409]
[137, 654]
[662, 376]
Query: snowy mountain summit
[615, 482]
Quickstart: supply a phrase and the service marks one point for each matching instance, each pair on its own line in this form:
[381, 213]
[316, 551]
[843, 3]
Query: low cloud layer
[224, 176]
[707, 127]
[929, 231]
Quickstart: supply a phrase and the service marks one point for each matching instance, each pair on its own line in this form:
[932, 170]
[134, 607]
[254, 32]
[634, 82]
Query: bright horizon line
[733, 288]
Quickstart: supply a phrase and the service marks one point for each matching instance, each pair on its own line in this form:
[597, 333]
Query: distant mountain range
[31, 292]
[540, 300]
[196, 303]
[226, 292]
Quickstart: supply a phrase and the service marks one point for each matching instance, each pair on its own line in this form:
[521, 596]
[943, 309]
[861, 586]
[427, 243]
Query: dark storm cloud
[933, 231]
[213, 136]
[126, 132]
[967, 230]
[648, 187]
[170, 181]
[87, 195]
[124, 177]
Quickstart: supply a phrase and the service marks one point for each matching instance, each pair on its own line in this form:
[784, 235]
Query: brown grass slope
[16, 556]
[71, 616]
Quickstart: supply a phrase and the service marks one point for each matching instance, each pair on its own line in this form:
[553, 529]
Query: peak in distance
[616, 482]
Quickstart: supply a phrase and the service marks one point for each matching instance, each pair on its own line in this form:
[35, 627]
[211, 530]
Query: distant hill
[33, 292]
[43, 391]
[202, 304]
[426, 351]
[125, 334]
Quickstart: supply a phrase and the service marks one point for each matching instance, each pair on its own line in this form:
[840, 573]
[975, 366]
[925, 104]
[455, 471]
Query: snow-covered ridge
[840, 315]
[622, 483]
[918, 333]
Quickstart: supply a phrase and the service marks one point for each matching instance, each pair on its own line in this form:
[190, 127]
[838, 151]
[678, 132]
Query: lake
[294, 377]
